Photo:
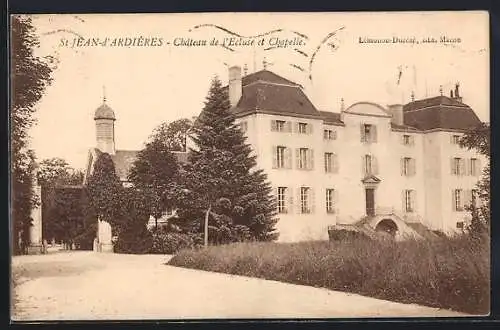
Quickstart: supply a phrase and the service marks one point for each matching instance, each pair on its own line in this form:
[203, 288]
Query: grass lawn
[451, 273]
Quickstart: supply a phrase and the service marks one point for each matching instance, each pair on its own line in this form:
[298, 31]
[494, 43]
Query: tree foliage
[220, 180]
[105, 190]
[153, 174]
[56, 171]
[173, 134]
[30, 77]
[479, 140]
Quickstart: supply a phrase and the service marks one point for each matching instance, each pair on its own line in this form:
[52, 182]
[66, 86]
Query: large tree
[479, 140]
[221, 188]
[30, 77]
[105, 191]
[56, 171]
[173, 134]
[153, 175]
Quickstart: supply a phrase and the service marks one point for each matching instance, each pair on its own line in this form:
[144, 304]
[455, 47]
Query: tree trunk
[206, 225]
[156, 224]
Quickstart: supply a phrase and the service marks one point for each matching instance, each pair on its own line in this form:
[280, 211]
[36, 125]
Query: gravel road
[97, 286]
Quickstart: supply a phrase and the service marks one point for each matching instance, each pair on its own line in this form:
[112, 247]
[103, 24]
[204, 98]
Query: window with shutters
[368, 133]
[328, 162]
[304, 159]
[280, 125]
[330, 200]
[302, 128]
[408, 140]
[457, 200]
[305, 200]
[409, 202]
[282, 193]
[458, 166]
[329, 134]
[408, 166]
[280, 156]
[368, 165]
[455, 139]
[474, 167]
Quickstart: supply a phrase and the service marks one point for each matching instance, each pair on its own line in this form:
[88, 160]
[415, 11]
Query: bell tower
[104, 118]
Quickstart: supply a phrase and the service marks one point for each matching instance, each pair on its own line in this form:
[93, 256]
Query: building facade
[400, 162]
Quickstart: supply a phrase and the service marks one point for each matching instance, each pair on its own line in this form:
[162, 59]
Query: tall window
[303, 159]
[408, 166]
[457, 200]
[368, 165]
[328, 134]
[330, 193]
[282, 200]
[328, 162]
[305, 203]
[408, 140]
[368, 133]
[280, 156]
[457, 166]
[302, 128]
[409, 201]
[280, 125]
[474, 167]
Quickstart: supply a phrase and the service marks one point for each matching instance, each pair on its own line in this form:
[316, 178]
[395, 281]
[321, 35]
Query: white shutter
[312, 200]
[414, 200]
[288, 158]
[289, 199]
[402, 166]
[413, 166]
[452, 166]
[297, 158]
[462, 166]
[412, 140]
[362, 132]
[363, 165]
[478, 167]
[335, 164]
[275, 156]
[298, 203]
[374, 133]
[451, 139]
[453, 202]
[310, 128]
[273, 125]
[403, 201]
[336, 201]
[289, 126]
[311, 159]
[374, 165]
[296, 127]
[403, 139]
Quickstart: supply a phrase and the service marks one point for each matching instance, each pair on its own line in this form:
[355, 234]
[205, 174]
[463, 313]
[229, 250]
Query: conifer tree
[221, 183]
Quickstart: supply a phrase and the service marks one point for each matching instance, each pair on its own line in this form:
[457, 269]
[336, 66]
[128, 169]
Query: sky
[148, 85]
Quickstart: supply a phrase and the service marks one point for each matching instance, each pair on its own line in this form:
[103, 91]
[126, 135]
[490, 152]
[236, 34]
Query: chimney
[235, 86]
[457, 92]
[396, 111]
[451, 93]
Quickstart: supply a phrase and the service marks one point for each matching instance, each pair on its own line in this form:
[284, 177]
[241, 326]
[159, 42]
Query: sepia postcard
[250, 165]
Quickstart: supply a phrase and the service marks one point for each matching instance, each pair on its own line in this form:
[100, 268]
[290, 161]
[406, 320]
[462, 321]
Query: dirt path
[87, 285]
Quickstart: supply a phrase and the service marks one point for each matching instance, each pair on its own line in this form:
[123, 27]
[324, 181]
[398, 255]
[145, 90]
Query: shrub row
[450, 273]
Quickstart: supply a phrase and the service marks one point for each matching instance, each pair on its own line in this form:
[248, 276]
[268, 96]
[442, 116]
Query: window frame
[409, 202]
[330, 200]
[281, 200]
[280, 155]
[303, 158]
[302, 128]
[329, 161]
[457, 198]
[305, 207]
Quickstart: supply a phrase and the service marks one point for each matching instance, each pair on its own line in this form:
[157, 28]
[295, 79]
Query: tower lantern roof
[104, 112]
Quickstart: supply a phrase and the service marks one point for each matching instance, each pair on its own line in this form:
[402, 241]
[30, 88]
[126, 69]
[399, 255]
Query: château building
[395, 168]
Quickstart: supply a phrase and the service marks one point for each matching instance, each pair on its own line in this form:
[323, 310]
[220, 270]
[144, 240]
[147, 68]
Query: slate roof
[268, 76]
[104, 112]
[124, 159]
[331, 117]
[439, 112]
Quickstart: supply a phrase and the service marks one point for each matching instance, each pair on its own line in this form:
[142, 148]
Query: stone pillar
[104, 236]
[36, 228]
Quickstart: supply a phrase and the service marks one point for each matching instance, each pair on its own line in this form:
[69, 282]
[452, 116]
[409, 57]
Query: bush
[170, 243]
[446, 273]
[134, 240]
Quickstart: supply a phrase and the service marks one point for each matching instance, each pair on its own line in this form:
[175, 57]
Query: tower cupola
[104, 118]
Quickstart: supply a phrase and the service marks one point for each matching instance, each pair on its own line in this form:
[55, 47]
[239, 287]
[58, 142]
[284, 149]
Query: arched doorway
[387, 226]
